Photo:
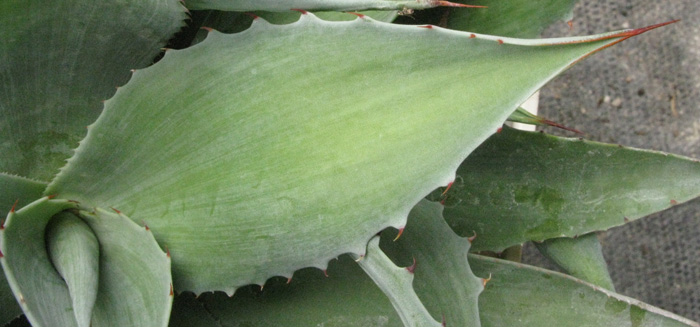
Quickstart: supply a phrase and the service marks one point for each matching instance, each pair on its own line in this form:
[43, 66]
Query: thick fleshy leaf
[234, 22]
[248, 161]
[16, 191]
[134, 278]
[521, 295]
[517, 295]
[330, 5]
[513, 18]
[581, 257]
[521, 186]
[58, 61]
[135, 287]
[347, 297]
[75, 253]
[397, 284]
[40, 290]
[444, 281]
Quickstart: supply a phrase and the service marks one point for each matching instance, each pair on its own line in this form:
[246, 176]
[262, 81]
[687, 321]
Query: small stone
[617, 102]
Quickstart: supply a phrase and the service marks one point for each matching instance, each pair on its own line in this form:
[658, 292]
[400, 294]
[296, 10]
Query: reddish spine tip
[444, 323]
[146, 227]
[674, 202]
[412, 268]
[452, 4]
[1, 254]
[472, 238]
[115, 210]
[289, 280]
[252, 15]
[167, 252]
[485, 281]
[399, 234]
[500, 129]
[51, 196]
[208, 29]
[571, 24]
[638, 31]
[449, 185]
[472, 36]
[12, 210]
[500, 41]
[356, 14]
[2, 224]
[626, 219]
[302, 11]
[172, 293]
[325, 272]
[426, 26]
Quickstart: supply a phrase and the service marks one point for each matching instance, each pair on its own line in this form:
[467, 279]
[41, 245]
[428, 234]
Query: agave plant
[219, 185]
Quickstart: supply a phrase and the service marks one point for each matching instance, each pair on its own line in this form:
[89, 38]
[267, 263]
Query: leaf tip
[302, 11]
[356, 14]
[12, 210]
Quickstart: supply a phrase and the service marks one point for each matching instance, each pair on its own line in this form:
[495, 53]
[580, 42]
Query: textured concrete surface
[644, 92]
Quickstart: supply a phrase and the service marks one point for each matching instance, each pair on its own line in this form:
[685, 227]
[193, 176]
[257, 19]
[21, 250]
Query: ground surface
[643, 93]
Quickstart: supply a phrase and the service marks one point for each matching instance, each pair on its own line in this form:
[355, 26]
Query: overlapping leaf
[249, 160]
[58, 61]
[134, 274]
[333, 5]
[521, 186]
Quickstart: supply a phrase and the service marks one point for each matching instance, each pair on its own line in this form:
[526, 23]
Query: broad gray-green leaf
[234, 22]
[75, 253]
[347, 297]
[39, 289]
[330, 5]
[397, 284]
[517, 295]
[135, 281]
[581, 257]
[520, 186]
[443, 279]
[513, 18]
[256, 154]
[521, 295]
[58, 61]
[16, 192]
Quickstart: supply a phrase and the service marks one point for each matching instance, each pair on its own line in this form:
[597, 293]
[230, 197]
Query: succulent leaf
[16, 192]
[38, 288]
[321, 5]
[59, 60]
[75, 253]
[396, 283]
[510, 190]
[512, 18]
[521, 295]
[246, 165]
[514, 296]
[135, 287]
[581, 257]
[444, 281]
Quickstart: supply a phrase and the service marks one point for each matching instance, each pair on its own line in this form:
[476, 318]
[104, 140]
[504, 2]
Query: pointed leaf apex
[302, 11]
[637, 31]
